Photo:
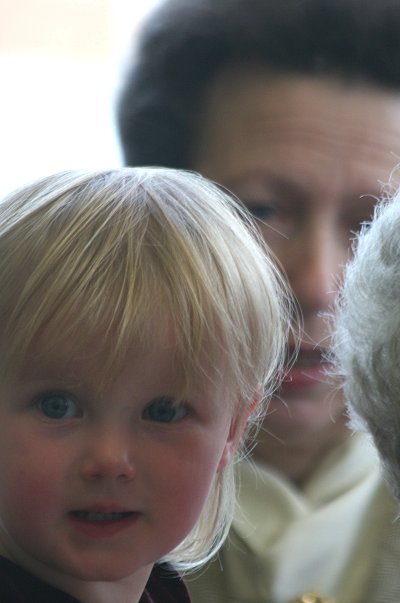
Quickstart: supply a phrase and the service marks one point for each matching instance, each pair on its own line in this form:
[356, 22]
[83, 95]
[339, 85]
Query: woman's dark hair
[186, 43]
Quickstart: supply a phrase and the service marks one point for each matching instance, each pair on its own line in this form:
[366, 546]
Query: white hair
[367, 338]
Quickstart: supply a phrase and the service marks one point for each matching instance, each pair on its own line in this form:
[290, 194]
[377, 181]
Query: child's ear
[236, 430]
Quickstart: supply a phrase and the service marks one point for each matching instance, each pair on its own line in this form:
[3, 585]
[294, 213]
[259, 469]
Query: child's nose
[109, 456]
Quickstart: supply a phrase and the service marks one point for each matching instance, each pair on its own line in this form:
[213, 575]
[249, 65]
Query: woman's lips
[308, 371]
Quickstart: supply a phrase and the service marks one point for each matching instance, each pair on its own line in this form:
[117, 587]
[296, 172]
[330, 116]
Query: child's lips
[102, 521]
[101, 516]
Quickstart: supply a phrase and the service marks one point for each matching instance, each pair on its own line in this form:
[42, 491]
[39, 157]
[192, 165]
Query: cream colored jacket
[337, 538]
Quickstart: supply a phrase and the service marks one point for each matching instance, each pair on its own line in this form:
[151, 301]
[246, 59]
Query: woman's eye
[57, 406]
[163, 410]
[261, 211]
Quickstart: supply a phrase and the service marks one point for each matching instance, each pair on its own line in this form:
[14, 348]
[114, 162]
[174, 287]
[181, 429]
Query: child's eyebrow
[45, 368]
[45, 377]
[38, 384]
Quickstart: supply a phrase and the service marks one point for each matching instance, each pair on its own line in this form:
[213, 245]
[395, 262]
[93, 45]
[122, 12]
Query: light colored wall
[60, 66]
[70, 28]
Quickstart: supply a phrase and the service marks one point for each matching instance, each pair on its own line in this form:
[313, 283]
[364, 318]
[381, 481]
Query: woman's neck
[298, 460]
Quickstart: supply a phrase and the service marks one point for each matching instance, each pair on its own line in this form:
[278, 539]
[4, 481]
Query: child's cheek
[28, 504]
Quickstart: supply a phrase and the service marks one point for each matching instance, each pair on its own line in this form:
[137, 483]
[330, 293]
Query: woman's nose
[315, 270]
[109, 456]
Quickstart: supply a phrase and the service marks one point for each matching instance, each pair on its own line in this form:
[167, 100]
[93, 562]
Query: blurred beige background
[80, 28]
[60, 67]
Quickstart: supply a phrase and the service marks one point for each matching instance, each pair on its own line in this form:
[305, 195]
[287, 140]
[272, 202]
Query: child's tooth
[93, 516]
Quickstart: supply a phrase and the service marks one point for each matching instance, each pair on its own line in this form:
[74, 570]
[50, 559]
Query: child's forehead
[92, 354]
[92, 341]
[98, 350]
[85, 362]
[141, 379]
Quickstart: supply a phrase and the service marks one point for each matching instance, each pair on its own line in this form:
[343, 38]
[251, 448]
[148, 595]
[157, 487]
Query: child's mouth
[97, 516]
[102, 524]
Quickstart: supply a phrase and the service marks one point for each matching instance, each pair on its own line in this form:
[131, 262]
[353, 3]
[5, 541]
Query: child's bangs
[132, 258]
[102, 287]
[82, 282]
[91, 319]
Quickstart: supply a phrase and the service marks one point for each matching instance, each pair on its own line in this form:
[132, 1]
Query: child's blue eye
[57, 406]
[163, 410]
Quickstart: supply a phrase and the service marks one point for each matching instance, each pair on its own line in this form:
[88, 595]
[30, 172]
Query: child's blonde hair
[122, 252]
